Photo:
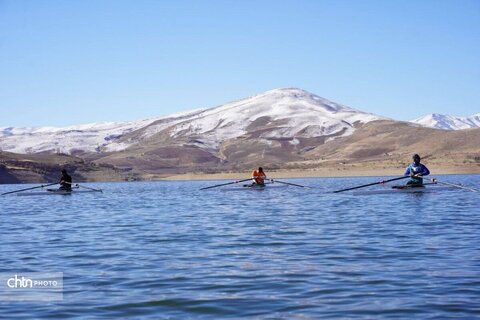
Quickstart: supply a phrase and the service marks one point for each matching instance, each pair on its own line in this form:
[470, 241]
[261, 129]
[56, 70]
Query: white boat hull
[247, 187]
[54, 192]
[429, 189]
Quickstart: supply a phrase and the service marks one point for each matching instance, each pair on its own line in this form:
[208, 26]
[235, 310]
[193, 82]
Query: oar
[98, 190]
[454, 185]
[372, 184]
[77, 185]
[225, 184]
[46, 185]
[290, 184]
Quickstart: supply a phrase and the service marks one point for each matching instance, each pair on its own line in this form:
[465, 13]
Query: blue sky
[73, 62]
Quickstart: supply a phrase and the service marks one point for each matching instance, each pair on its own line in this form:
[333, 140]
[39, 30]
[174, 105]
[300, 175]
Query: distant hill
[398, 141]
[39, 168]
[446, 122]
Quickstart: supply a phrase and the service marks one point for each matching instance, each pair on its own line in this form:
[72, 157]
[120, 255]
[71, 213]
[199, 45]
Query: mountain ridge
[448, 122]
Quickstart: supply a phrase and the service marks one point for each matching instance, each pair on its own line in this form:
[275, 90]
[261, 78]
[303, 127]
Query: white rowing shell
[56, 192]
[404, 190]
[246, 187]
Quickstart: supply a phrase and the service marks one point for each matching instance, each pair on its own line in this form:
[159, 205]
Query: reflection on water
[169, 250]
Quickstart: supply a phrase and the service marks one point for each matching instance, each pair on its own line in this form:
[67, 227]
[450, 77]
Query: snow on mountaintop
[289, 112]
[446, 122]
[296, 109]
[85, 137]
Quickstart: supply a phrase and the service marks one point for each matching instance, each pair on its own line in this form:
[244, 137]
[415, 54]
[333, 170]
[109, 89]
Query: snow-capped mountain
[88, 137]
[277, 114]
[446, 122]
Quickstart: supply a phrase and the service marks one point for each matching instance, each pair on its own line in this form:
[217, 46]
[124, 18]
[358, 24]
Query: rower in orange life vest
[259, 177]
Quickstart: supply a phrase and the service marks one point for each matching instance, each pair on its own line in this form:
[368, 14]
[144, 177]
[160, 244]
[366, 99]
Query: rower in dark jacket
[416, 171]
[65, 181]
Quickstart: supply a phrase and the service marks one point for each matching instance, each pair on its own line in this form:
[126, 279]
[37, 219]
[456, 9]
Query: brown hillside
[40, 168]
[379, 139]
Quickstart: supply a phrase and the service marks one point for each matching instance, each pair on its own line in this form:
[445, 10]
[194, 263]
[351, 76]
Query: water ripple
[166, 250]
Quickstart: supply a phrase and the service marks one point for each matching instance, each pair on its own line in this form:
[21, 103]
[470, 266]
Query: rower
[416, 171]
[259, 177]
[65, 181]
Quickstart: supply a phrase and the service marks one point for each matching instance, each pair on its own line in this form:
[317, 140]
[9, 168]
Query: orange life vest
[259, 177]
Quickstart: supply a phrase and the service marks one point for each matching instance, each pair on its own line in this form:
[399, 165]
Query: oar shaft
[371, 184]
[289, 183]
[46, 185]
[454, 185]
[98, 190]
[224, 184]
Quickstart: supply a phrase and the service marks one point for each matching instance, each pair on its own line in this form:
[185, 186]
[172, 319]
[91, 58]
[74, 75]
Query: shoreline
[341, 171]
[319, 173]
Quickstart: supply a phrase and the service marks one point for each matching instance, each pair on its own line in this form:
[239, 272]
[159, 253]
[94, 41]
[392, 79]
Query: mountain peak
[293, 93]
[287, 91]
[447, 122]
[296, 97]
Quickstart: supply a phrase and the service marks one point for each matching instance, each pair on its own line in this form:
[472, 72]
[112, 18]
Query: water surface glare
[168, 250]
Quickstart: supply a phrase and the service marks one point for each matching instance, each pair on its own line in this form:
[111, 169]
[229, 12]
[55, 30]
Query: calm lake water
[167, 250]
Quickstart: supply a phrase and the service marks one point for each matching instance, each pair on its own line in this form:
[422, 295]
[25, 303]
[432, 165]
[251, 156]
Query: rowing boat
[247, 187]
[429, 189]
[49, 192]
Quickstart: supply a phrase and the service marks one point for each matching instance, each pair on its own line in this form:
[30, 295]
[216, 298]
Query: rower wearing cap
[416, 171]
[65, 181]
[259, 176]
